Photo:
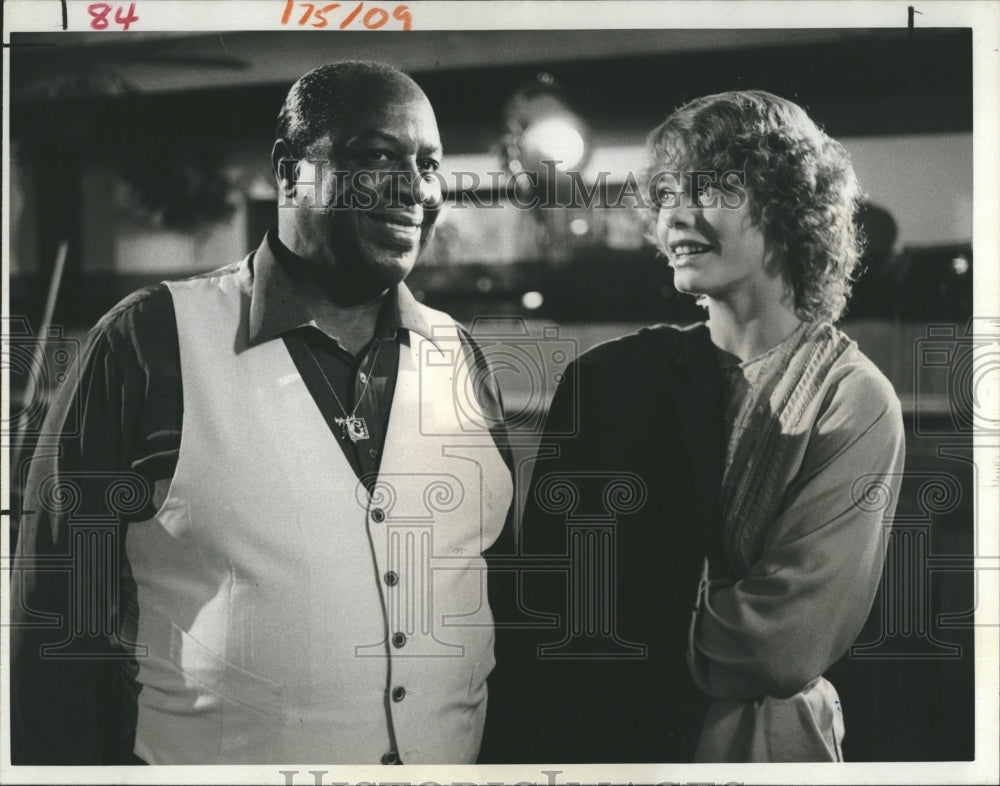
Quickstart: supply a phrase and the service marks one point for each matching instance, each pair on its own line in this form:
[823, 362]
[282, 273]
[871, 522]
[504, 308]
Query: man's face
[358, 213]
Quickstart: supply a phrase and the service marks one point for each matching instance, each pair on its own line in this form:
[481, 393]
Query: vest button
[398, 640]
[391, 758]
[398, 693]
[391, 578]
[378, 515]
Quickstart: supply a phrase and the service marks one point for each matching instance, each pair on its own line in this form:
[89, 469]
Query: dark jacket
[593, 613]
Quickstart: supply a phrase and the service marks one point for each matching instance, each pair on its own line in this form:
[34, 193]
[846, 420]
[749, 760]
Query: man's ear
[285, 167]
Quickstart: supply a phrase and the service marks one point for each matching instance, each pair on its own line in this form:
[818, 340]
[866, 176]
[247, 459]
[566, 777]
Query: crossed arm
[806, 598]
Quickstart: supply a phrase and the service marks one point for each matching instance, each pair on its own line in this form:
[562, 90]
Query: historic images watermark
[322, 186]
[957, 360]
[548, 778]
[41, 362]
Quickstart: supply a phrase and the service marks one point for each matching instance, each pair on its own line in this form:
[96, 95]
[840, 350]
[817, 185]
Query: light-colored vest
[271, 583]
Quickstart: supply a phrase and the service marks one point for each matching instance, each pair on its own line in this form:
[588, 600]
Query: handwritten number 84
[100, 11]
[375, 18]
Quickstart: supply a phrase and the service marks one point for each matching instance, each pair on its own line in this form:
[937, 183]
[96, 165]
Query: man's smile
[398, 229]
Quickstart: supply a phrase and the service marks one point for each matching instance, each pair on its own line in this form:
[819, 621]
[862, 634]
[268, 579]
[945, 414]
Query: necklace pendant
[354, 427]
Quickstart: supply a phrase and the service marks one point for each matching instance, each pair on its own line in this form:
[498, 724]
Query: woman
[755, 216]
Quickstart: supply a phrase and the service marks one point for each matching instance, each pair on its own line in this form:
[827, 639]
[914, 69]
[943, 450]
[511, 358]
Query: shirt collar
[277, 308]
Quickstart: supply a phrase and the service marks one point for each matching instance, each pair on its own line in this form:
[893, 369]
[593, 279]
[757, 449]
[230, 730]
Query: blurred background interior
[140, 157]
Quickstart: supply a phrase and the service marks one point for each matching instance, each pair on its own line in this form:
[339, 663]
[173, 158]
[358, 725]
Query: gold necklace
[350, 425]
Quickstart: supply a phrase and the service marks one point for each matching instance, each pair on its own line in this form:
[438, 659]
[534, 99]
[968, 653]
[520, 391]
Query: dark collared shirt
[123, 414]
[340, 383]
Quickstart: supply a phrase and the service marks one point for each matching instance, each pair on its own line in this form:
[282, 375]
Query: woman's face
[711, 243]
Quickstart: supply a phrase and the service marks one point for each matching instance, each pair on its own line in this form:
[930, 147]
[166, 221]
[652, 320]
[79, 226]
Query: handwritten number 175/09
[311, 14]
[315, 15]
[99, 15]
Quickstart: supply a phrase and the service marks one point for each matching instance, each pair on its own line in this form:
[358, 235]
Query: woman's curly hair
[803, 193]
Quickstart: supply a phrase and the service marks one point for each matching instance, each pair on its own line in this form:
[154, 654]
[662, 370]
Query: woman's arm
[808, 595]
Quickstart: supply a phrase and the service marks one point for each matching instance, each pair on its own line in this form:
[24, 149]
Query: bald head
[318, 102]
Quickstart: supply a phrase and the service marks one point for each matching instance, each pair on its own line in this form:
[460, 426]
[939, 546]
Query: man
[276, 519]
